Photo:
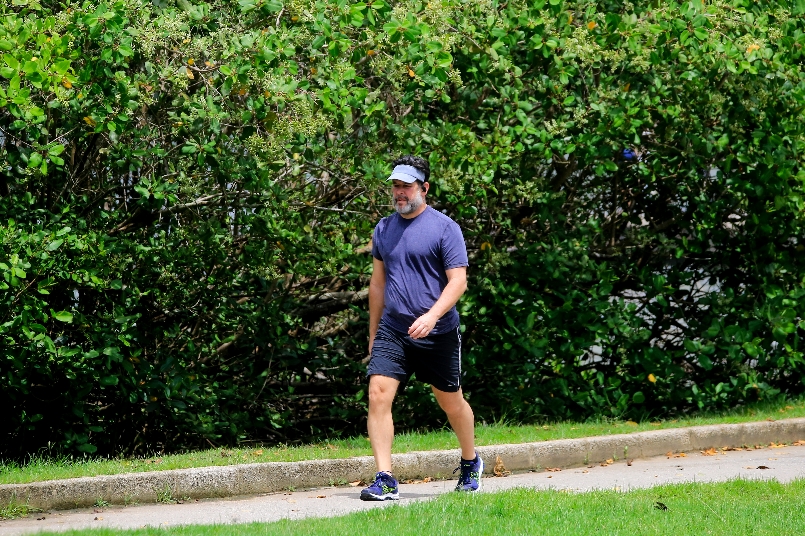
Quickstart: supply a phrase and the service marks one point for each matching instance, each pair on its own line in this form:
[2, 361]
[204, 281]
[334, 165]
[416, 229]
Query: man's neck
[417, 212]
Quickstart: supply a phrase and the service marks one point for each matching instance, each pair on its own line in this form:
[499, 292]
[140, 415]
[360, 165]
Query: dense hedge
[188, 190]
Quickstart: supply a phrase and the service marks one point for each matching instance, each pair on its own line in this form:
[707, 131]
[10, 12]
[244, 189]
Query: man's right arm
[377, 291]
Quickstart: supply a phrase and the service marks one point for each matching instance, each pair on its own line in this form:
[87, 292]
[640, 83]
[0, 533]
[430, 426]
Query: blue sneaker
[471, 471]
[384, 488]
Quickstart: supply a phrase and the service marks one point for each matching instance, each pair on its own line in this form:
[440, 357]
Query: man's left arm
[456, 285]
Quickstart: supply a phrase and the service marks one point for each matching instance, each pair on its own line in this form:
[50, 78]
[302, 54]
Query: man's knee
[451, 403]
[382, 390]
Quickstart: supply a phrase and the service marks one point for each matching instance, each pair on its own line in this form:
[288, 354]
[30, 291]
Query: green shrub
[189, 189]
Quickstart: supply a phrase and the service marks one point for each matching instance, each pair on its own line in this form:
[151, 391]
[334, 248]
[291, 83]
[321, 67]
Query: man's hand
[422, 326]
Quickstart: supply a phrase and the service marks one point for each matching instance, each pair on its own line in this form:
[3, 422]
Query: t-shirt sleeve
[375, 245]
[454, 251]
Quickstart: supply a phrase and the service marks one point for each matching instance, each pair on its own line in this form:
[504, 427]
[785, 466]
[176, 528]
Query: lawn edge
[270, 477]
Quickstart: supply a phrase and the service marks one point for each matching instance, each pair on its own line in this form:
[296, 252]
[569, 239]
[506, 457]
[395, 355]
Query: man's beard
[413, 204]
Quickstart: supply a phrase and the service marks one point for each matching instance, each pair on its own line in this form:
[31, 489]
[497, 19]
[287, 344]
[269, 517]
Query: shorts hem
[402, 378]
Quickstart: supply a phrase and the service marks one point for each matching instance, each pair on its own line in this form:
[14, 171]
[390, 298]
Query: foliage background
[188, 190]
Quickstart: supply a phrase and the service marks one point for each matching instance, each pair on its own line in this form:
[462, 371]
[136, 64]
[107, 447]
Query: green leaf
[11, 61]
[34, 160]
[53, 246]
[62, 316]
[61, 66]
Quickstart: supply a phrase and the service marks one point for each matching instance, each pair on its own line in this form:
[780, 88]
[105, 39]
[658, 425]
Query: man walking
[420, 272]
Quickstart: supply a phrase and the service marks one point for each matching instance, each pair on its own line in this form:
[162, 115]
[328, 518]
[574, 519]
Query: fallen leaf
[357, 483]
[321, 496]
[427, 479]
[709, 452]
[660, 506]
[728, 449]
[763, 467]
[800, 443]
[631, 423]
[585, 471]
[258, 452]
[500, 469]
[98, 519]
[553, 469]
[629, 462]
[683, 455]
[774, 445]
[550, 476]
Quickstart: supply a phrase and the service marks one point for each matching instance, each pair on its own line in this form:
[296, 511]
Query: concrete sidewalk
[261, 478]
[783, 464]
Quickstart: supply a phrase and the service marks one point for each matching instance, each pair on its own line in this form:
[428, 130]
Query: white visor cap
[407, 174]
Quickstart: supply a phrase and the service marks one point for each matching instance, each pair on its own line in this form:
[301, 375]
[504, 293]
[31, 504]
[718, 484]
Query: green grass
[728, 508]
[14, 510]
[39, 469]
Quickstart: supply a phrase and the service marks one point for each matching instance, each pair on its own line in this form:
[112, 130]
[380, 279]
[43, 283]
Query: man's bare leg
[380, 424]
[461, 418]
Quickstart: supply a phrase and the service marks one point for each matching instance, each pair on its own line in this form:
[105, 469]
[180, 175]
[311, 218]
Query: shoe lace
[466, 472]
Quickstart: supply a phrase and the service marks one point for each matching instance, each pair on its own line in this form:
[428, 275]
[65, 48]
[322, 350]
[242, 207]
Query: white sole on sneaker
[384, 497]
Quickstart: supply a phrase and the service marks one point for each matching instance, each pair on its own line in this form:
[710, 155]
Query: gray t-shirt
[415, 254]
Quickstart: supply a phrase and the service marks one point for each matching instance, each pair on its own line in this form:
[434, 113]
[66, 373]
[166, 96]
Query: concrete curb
[254, 478]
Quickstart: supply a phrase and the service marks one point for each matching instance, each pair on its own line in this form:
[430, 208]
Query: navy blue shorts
[435, 359]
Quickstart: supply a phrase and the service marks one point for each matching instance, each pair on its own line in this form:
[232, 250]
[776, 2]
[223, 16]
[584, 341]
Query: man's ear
[425, 187]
